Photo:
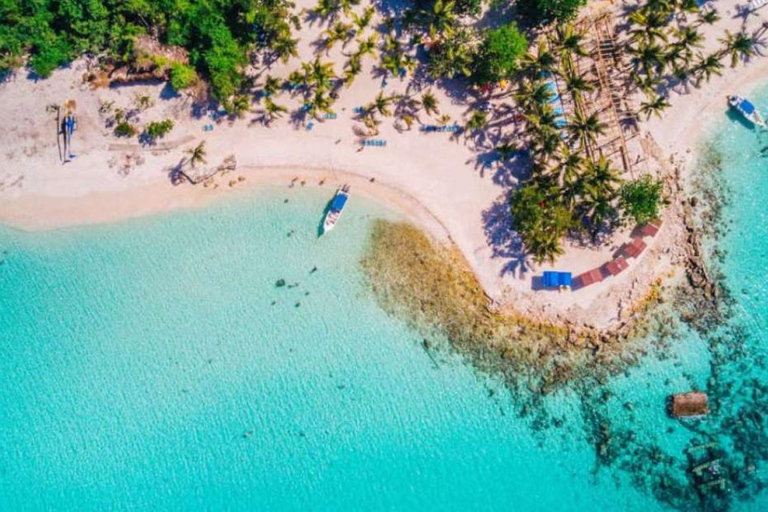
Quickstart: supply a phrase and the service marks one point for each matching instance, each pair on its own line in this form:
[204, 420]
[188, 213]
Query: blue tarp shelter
[556, 279]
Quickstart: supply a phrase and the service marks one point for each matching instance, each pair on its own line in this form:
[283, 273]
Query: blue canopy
[747, 107]
[338, 202]
[554, 279]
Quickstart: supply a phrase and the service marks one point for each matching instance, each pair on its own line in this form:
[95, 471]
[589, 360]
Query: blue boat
[337, 206]
[746, 109]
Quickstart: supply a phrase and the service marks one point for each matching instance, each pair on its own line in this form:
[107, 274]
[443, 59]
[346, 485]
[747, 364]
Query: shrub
[640, 199]
[125, 129]
[158, 129]
[182, 76]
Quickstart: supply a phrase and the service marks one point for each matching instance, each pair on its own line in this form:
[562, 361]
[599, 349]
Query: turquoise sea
[155, 365]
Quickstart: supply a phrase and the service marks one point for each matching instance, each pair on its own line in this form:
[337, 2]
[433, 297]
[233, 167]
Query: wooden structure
[694, 403]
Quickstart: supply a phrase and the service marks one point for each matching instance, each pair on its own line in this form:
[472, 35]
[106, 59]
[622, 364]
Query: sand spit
[443, 182]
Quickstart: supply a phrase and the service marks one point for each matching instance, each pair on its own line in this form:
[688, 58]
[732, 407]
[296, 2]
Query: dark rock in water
[273, 303]
[285, 201]
[297, 304]
[280, 283]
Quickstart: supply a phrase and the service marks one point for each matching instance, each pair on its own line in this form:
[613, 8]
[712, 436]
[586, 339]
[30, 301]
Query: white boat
[746, 109]
[337, 206]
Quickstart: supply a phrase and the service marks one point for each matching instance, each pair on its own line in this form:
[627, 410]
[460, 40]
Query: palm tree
[326, 8]
[708, 17]
[271, 86]
[739, 46]
[600, 184]
[649, 25]
[570, 165]
[707, 66]
[381, 104]
[577, 85]
[197, 154]
[441, 20]
[505, 150]
[362, 21]
[688, 6]
[649, 57]
[285, 47]
[585, 129]
[346, 5]
[354, 67]
[429, 103]
[656, 105]
[541, 62]
[320, 103]
[367, 46]
[533, 93]
[272, 110]
[339, 31]
[687, 39]
[477, 121]
[240, 105]
[318, 74]
[570, 40]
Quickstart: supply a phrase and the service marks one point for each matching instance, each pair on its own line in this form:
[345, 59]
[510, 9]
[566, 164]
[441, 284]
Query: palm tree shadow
[505, 243]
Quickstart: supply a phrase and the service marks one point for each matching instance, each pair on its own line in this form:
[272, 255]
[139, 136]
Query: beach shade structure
[635, 247]
[552, 279]
[651, 228]
[617, 266]
[588, 278]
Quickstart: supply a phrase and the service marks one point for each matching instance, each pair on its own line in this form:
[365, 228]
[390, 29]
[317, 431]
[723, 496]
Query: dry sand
[435, 179]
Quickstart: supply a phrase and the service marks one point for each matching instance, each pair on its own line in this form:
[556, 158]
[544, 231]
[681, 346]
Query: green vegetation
[182, 76]
[543, 11]
[158, 129]
[125, 129]
[218, 34]
[665, 48]
[498, 56]
[641, 199]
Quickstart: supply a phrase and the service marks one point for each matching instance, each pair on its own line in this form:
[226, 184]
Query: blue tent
[555, 279]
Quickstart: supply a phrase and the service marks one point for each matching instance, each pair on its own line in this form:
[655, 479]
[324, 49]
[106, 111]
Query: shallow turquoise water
[143, 365]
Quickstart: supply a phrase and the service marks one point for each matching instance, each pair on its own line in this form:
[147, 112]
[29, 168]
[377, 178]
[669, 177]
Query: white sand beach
[438, 180]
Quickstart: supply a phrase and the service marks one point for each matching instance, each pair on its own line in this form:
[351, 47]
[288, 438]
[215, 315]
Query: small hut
[694, 403]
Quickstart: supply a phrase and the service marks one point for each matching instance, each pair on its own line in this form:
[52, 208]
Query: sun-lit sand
[438, 180]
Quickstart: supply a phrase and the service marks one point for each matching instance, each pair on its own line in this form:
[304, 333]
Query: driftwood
[200, 175]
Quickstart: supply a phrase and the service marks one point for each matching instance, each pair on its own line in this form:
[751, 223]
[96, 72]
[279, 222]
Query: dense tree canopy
[218, 34]
[640, 200]
[545, 11]
[499, 54]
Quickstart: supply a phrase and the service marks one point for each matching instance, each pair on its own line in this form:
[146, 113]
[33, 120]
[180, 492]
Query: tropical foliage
[641, 199]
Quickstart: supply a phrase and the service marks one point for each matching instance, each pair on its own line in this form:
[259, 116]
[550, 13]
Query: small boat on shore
[746, 109]
[337, 206]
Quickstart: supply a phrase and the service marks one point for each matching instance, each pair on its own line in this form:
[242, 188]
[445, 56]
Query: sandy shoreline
[42, 213]
[439, 182]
